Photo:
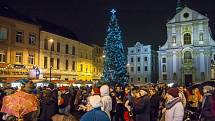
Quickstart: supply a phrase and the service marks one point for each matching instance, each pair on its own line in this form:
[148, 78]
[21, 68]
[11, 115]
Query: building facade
[19, 48]
[84, 62]
[58, 57]
[141, 63]
[188, 54]
[67, 59]
[97, 57]
[35, 49]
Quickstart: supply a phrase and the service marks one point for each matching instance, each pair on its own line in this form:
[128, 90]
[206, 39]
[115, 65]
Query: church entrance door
[188, 79]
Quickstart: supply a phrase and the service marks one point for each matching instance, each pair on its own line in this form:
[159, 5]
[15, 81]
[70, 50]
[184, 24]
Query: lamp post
[51, 42]
[128, 77]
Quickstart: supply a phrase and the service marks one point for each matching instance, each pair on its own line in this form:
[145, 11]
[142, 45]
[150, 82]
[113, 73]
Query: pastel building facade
[141, 63]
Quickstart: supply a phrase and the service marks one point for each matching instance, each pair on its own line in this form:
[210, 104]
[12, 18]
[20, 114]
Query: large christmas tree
[115, 59]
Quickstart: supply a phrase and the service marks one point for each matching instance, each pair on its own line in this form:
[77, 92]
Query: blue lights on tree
[115, 59]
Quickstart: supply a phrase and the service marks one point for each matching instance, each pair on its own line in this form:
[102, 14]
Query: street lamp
[127, 75]
[51, 42]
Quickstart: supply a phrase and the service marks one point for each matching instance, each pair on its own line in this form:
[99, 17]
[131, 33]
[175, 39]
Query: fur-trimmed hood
[104, 90]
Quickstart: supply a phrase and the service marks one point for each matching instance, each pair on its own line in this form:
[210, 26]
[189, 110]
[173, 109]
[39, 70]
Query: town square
[107, 60]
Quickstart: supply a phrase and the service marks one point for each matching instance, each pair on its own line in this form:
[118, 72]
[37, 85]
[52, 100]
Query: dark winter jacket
[49, 106]
[208, 107]
[66, 100]
[95, 115]
[155, 103]
[142, 108]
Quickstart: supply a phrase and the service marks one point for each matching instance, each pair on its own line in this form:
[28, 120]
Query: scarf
[172, 102]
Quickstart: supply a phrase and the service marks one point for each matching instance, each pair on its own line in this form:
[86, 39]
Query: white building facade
[140, 65]
[189, 52]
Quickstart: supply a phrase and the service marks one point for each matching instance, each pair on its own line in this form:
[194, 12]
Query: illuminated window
[19, 57]
[187, 57]
[31, 59]
[19, 36]
[3, 33]
[2, 56]
[187, 39]
[32, 39]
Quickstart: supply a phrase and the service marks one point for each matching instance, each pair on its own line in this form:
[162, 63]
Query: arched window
[187, 57]
[187, 39]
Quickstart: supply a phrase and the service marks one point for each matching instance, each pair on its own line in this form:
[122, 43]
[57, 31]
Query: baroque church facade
[189, 52]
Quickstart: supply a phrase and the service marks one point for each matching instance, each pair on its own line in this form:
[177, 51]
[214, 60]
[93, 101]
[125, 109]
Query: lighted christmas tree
[115, 59]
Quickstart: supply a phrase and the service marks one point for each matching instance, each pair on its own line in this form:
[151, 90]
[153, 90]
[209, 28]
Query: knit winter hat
[173, 92]
[95, 101]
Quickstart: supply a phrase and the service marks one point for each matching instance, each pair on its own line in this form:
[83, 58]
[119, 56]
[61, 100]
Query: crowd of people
[154, 102]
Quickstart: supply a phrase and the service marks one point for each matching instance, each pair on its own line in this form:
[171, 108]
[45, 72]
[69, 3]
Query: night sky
[140, 20]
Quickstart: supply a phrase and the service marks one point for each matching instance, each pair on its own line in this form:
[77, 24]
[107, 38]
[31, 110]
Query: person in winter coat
[96, 114]
[64, 104]
[120, 108]
[182, 96]
[114, 103]
[106, 100]
[141, 104]
[53, 107]
[208, 104]
[155, 103]
[174, 109]
[128, 114]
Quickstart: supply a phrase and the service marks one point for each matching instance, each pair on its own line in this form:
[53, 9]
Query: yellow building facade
[26, 48]
[68, 59]
[19, 48]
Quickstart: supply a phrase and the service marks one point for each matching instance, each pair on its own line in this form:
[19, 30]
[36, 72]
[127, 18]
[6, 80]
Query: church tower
[178, 6]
